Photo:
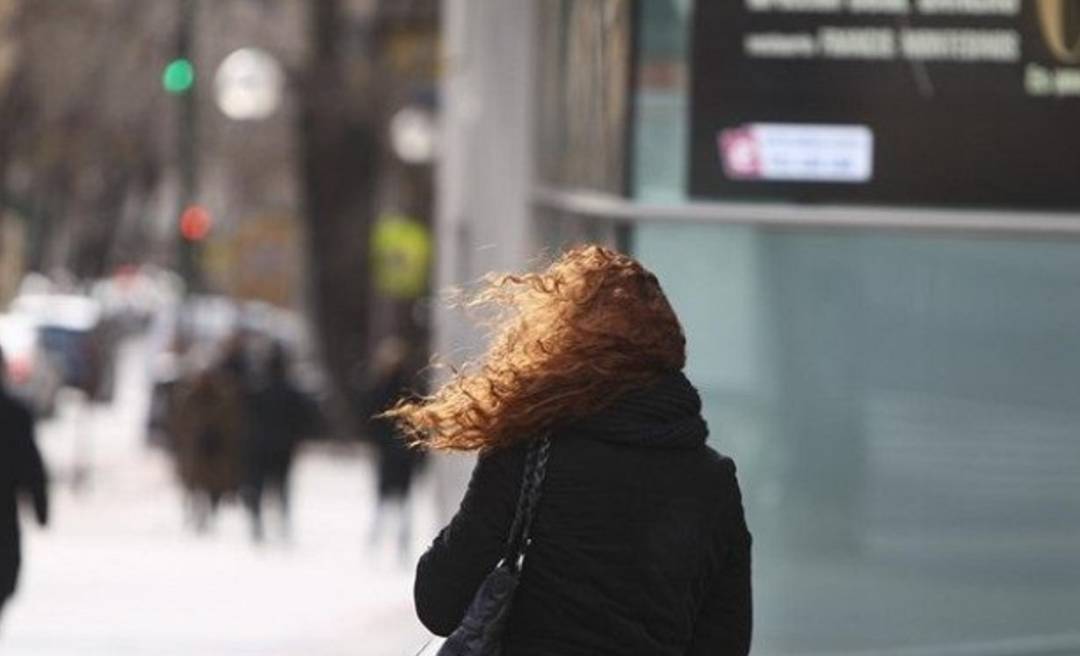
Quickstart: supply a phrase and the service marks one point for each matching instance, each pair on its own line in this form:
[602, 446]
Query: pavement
[118, 572]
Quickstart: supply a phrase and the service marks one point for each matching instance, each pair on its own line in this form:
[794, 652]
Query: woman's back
[639, 544]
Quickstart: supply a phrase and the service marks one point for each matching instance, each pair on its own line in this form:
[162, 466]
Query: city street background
[118, 573]
[865, 216]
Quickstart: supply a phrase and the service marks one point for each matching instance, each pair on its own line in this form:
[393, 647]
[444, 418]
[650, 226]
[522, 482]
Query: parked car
[32, 374]
[71, 330]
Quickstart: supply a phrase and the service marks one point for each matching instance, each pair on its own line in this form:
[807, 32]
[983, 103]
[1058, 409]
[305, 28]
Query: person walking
[392, 372]
[638, 543]
[210, 424]
[280, 415]
[21, 473]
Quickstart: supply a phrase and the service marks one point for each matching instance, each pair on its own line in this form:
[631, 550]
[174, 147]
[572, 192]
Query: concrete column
[484, 176]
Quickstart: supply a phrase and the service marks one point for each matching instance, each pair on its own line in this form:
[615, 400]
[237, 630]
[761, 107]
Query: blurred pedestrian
[393, 368]
[209, 424]
[280, 415]
[638, 543]
[21, 473]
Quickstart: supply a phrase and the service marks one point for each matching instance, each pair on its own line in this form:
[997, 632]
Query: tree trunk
[339, 172]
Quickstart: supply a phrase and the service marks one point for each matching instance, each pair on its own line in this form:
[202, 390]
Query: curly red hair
[566, 341]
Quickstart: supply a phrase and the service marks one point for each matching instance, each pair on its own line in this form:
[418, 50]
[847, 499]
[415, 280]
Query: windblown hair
[565, 342]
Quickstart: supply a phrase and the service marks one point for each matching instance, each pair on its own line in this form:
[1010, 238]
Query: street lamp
[249, 85]
[414, 135]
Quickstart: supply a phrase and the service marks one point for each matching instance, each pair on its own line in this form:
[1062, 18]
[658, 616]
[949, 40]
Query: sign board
[945, 103]
[401, 252]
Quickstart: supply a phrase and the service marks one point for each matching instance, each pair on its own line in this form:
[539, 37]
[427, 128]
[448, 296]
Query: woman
[279, 416]
[209, 422]
[392, 370]
[639, 545]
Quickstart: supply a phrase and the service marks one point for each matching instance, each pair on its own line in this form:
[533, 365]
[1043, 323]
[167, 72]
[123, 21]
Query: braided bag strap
[532, 481]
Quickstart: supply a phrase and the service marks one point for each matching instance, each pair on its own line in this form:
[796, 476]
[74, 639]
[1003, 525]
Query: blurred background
[226, 227]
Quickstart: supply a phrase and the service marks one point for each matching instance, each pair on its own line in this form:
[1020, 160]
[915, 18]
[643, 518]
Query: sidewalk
[118, 574]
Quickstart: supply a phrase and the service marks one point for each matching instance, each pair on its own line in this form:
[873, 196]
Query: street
[117, 572]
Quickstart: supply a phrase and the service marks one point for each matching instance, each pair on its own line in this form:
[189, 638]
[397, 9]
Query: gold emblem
[1058, 19]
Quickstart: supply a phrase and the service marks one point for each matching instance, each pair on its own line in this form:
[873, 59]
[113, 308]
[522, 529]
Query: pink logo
[740, 152]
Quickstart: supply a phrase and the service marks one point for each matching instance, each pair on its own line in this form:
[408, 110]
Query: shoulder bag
[481, 631]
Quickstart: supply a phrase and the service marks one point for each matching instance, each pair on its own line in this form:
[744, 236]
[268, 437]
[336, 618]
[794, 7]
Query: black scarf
[665, 414]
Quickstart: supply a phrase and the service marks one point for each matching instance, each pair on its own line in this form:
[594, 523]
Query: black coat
[397, 462]
[280, 416]
[21, 472]
[639, 544]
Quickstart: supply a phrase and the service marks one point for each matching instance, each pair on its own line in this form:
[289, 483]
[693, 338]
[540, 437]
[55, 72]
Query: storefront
[866, 215]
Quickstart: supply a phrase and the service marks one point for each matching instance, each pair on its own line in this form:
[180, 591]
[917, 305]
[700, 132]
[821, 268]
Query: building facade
[891, 354]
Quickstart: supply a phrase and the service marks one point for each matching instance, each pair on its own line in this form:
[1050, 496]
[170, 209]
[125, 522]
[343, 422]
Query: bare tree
[347, 94]
[80, 123]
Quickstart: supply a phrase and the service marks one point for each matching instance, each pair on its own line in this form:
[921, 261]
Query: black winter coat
[397, 462]
[639, 546]
[21, 472]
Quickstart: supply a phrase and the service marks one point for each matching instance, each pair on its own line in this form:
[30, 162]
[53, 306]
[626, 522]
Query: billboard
[937, 103]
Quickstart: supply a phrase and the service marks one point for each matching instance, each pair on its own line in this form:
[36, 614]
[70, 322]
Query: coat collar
[663, 414]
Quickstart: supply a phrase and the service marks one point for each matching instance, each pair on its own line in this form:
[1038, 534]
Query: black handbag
[481, 631]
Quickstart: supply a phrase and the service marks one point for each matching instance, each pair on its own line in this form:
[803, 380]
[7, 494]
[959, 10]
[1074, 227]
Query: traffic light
[195, 223]
[178, 76]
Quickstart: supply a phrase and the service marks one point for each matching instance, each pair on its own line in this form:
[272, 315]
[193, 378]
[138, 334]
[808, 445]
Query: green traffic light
[179, 76]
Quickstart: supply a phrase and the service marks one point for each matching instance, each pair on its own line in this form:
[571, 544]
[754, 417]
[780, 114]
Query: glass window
[659, 157]
[903, 412]
[583, 103]
[902, 407]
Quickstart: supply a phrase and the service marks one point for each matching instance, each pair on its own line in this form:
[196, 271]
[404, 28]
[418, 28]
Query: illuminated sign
[943, 103]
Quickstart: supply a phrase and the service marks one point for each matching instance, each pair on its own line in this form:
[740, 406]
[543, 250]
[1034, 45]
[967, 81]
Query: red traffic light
[195, 223]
